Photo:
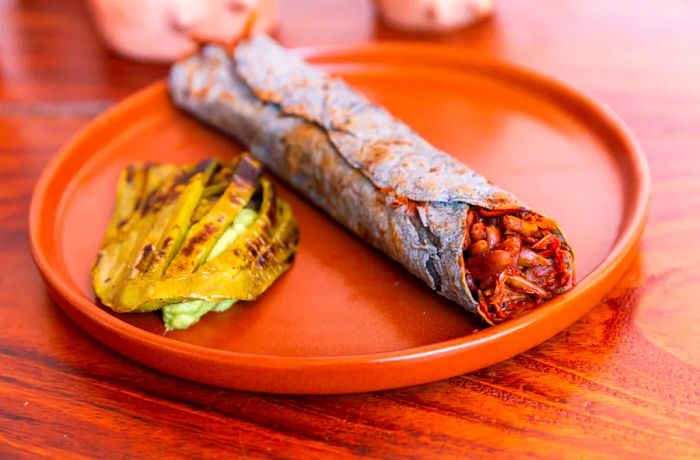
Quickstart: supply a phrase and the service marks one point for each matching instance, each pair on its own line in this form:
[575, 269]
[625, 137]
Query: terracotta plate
[345, 318]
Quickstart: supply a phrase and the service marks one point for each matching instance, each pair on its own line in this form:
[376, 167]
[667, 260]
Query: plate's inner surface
[341, 297]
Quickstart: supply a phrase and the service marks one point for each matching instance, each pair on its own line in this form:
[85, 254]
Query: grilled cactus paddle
[193, 239]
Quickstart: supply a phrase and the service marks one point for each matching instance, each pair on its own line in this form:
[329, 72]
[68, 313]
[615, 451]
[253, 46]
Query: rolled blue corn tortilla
[466, 238]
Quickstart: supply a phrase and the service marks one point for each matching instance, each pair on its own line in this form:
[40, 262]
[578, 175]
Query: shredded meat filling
[514, 260]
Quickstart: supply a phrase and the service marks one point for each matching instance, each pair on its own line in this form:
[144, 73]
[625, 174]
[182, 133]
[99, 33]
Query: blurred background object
[162, 30]
[433, 15]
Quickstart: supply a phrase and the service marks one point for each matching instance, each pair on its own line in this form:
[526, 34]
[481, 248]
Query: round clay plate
[345, 318]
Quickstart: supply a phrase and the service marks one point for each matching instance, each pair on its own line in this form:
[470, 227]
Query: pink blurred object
[161, 30]
[434, 15]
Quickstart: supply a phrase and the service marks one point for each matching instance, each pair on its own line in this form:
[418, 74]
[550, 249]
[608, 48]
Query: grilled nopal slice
[193, 239]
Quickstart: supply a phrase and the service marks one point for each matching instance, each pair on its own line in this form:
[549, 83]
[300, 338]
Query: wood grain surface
[622, 382]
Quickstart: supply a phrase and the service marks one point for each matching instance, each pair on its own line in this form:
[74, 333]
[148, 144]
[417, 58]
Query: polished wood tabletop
[624, 381]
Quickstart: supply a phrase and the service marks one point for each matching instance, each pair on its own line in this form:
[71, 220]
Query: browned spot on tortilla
[299, 110]
[201, 92]
[402, 200]
[227, 96]
[297, 142]
[377, 154]
[342, 119]
[500, 198]
[398, 200]
[392, 142]
[267, 95]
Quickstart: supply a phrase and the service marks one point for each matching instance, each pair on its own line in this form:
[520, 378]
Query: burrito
[469, 240]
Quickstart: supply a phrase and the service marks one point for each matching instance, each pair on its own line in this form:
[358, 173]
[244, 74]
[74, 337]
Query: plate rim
[616, 261]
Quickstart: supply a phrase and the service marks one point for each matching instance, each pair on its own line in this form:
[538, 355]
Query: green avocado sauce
[182, 315]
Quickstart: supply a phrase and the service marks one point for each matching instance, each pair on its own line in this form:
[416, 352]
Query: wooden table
[623, 381]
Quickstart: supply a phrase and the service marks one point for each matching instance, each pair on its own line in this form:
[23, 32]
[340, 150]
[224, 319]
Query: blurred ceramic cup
[433, 15]
[161, 30]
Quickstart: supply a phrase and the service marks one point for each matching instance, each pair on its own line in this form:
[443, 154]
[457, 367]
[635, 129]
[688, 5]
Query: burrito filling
[514, 260]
